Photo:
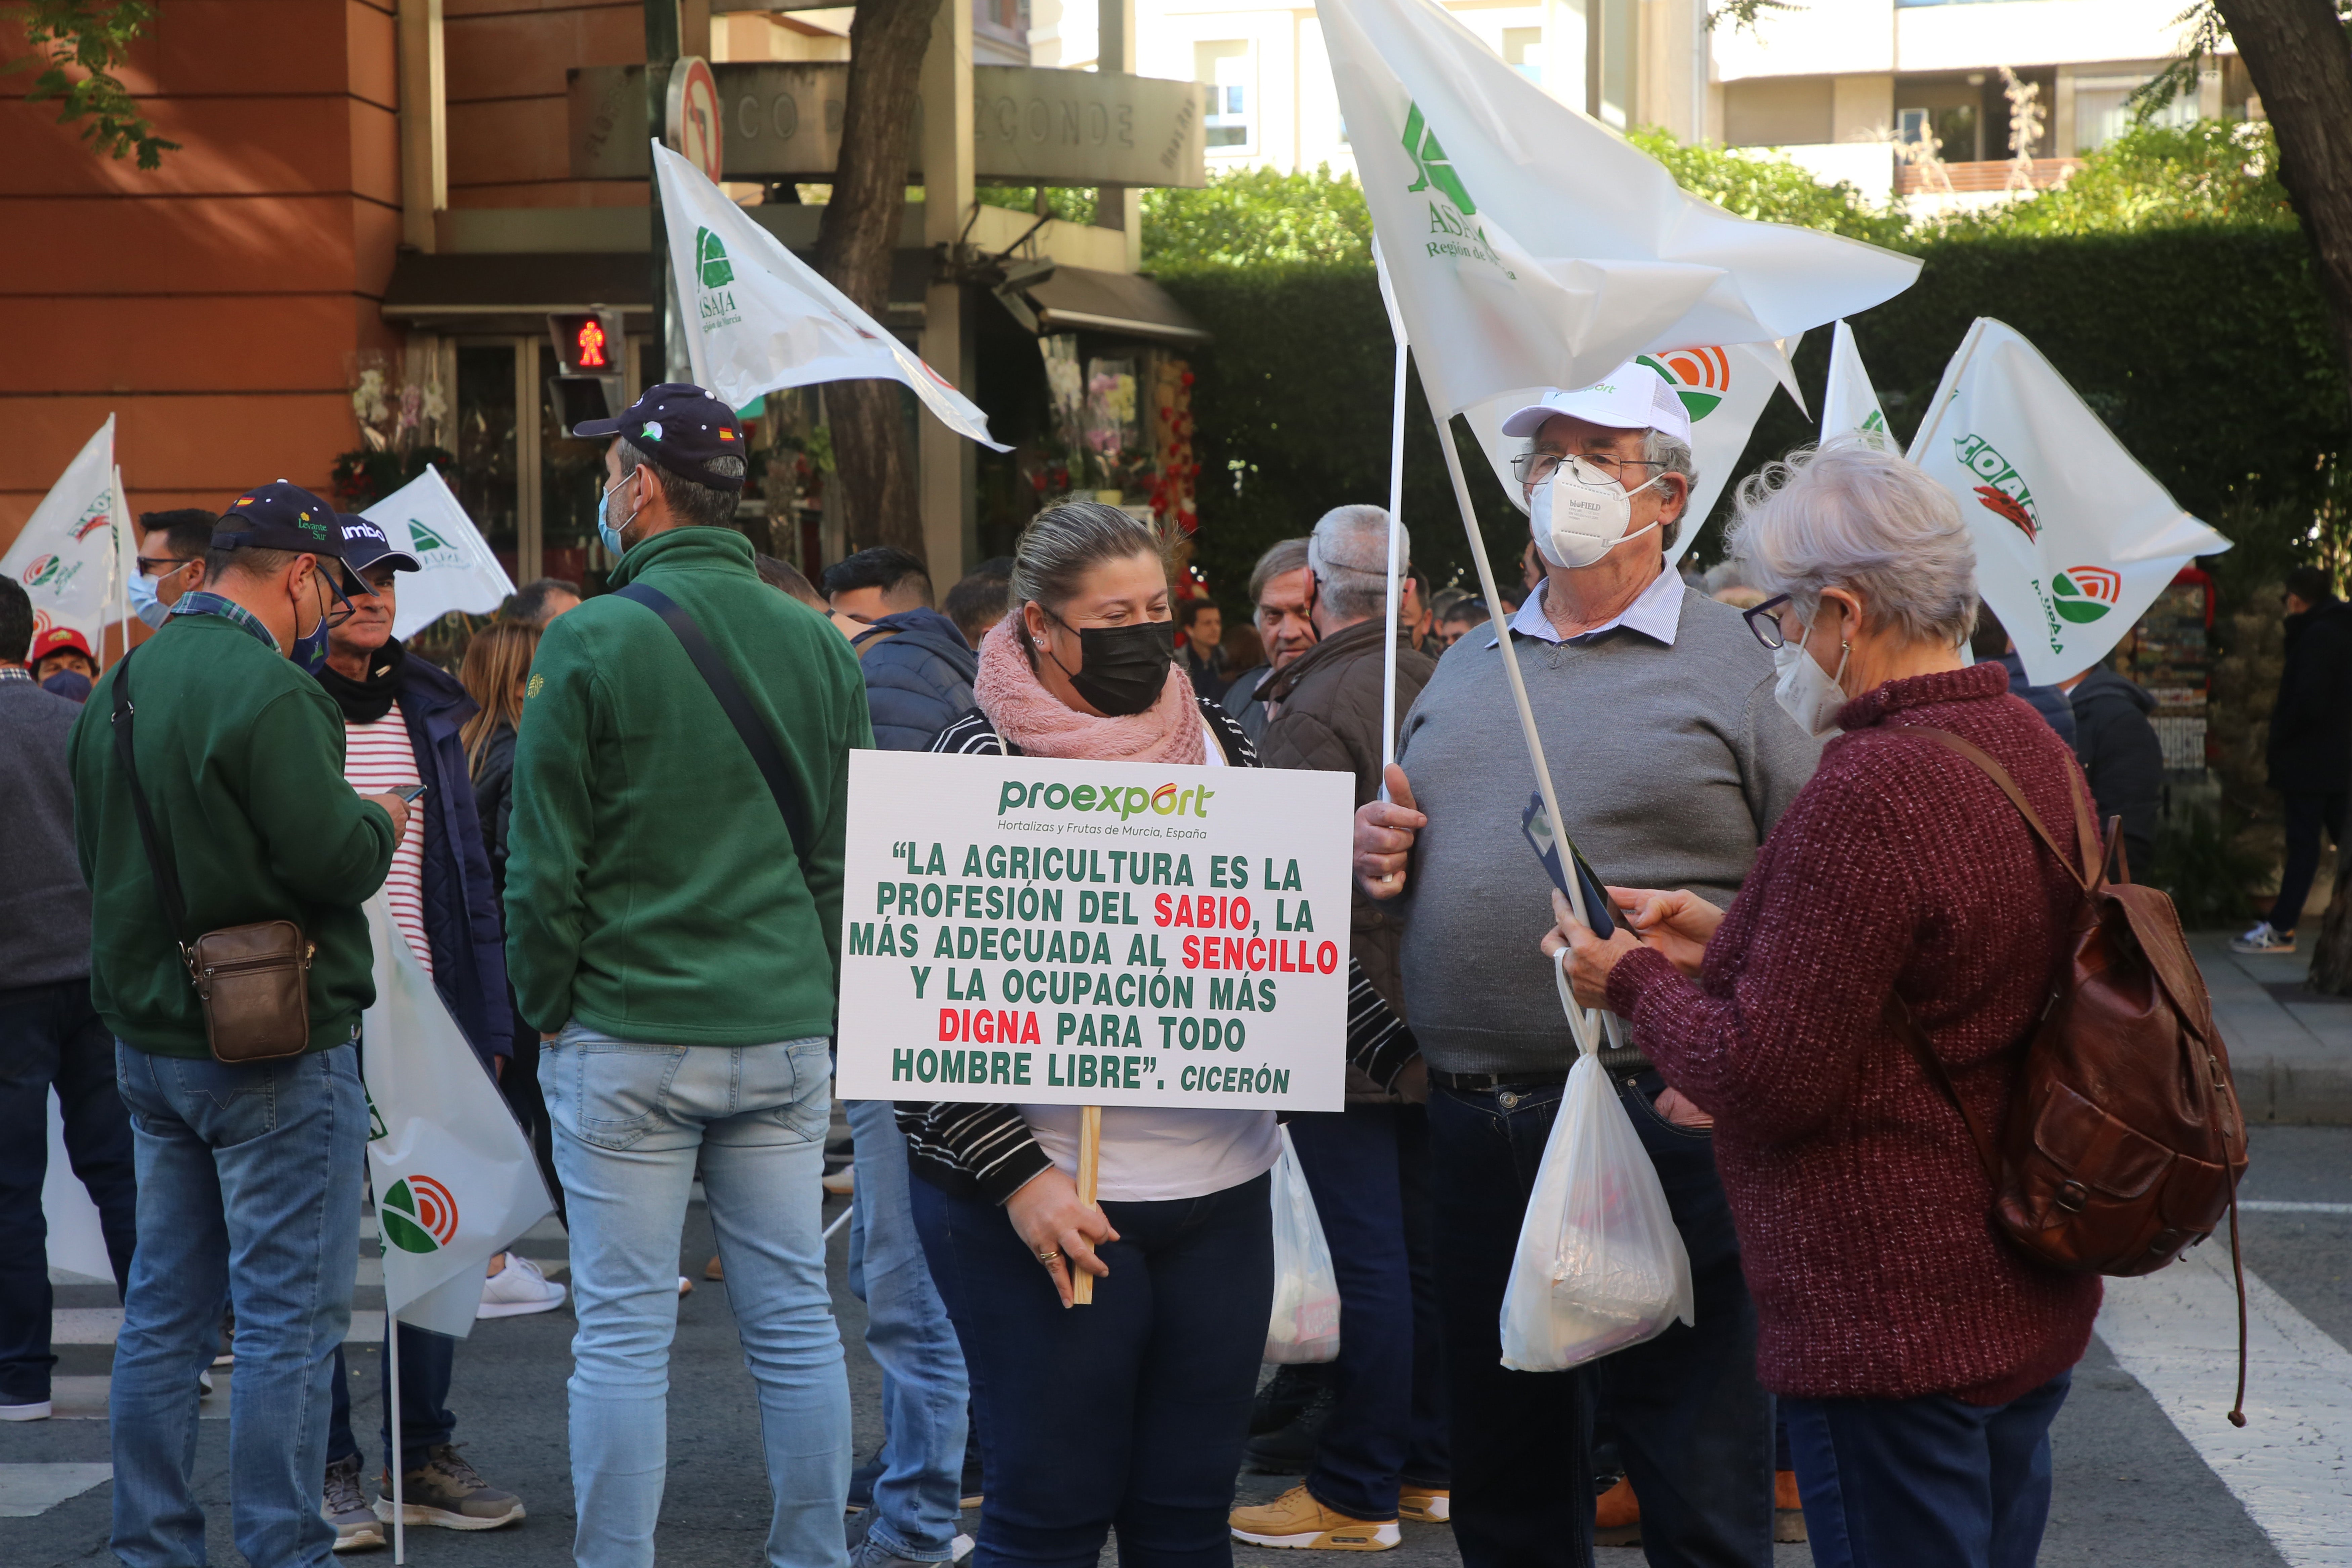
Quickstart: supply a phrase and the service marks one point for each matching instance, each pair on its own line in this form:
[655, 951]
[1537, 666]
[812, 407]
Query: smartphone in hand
[407, 794]
[1536, 825]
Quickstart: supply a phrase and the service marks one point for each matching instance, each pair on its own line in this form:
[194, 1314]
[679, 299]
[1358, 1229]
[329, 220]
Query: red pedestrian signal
[591, 339]
[587, 342]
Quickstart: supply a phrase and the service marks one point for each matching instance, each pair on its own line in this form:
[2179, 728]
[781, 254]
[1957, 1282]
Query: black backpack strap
[734, 703]
[167, 876]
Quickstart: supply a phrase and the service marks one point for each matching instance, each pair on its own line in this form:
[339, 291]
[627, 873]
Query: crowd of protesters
[623, 874]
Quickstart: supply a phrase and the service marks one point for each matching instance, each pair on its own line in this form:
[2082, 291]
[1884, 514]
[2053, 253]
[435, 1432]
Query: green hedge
[2204, 348]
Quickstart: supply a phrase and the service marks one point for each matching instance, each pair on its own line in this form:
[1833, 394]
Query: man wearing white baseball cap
[1673, 760]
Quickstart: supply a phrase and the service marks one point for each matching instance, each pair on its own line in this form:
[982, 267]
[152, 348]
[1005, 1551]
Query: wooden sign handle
[1082, 1284]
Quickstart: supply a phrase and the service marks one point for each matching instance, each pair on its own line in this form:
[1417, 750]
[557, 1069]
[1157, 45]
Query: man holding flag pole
[1530, 250]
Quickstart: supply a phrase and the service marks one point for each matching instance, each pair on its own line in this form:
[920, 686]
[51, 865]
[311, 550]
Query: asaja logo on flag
[2084, 593]
[2004, 490]
[418, 1215]
[1421, 146]
[1700, 377]
[431, 548]
[710, 257]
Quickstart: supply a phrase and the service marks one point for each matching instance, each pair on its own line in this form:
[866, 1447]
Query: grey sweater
[43, 903]
[1671, 764]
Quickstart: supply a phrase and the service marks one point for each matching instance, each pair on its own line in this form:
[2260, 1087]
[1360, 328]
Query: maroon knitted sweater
[1863, 1211]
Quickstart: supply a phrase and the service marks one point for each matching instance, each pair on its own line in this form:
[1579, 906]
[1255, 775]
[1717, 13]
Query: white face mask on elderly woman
[1580, 514]
[1805, 691]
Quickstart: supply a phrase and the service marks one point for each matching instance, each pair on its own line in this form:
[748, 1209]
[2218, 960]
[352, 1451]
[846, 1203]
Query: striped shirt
[377, 759]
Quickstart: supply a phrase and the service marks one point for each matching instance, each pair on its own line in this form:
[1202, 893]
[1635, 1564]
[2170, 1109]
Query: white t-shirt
[377, 758]
[1153, 1155]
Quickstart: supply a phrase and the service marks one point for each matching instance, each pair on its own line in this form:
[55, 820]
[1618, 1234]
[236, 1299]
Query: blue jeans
[2309, 813]
[427, 1359]
[918, 1498]
[633, 1121]
[49, 1035]
[1694, 1424]
[1132, 1412]
[1929, 1482]
[249, 1197]
[1367, 1167]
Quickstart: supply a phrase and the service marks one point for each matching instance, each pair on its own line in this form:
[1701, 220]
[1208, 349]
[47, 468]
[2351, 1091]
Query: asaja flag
[454, 1178]
[70, 552]
[1724, 389]
[759, 317]
[1850, 405]
[2073, 538]
[459, 571]
[1532, 246]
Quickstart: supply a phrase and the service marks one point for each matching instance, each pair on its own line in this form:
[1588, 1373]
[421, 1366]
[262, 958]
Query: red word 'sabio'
[1260, 955]
[1202, 911]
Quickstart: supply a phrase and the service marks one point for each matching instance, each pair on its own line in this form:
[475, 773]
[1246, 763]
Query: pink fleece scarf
[1041, 724]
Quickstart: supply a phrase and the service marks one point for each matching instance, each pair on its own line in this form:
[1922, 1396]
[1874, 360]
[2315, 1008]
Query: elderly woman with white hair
[1901, 906]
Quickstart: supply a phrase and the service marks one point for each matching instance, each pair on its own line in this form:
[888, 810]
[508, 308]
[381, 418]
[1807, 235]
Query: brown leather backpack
[2124, 1139]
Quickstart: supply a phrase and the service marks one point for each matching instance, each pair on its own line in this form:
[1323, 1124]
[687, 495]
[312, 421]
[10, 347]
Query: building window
[1957, 128]
[1523, 52]
[486, 473]
[1231, 122]
[2102, 109]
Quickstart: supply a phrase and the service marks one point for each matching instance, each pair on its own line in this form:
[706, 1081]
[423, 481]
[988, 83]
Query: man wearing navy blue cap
[673, 898]
[401, 718]
[250, 1173]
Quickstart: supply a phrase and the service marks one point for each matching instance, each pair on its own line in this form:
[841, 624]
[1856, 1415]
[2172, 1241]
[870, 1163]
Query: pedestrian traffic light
[588, 342]
[591, 351]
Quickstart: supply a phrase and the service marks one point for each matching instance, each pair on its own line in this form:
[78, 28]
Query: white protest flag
[1532, 246]
[1849, 404]
[68, 555]
[759, 317]
[1723, 389]
[2073, 538]
[454, 1178]
[459, 571]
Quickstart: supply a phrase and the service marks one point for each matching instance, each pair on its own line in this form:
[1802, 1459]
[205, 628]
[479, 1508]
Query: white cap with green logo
[1631, 397]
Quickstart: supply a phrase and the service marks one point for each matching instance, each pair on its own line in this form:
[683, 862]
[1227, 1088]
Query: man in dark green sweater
[249, 1175]
[675, 935]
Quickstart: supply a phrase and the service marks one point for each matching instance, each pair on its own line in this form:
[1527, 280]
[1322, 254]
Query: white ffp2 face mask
[1580, 514]
[1805, 691]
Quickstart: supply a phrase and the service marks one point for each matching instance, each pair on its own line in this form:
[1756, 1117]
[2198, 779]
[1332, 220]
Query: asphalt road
[2131, 1488]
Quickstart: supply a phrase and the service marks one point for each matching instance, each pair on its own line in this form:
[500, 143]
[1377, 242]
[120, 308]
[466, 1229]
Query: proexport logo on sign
[1700, 377]
[51, 572]
[2005, 490]
[2086, 594]
[418, 1215]
[1124, 801]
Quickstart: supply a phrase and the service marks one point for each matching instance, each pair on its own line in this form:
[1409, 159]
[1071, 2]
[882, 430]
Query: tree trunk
[2297, 55]
[874, 461]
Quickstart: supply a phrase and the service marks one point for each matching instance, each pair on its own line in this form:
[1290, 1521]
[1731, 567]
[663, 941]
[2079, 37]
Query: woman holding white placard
[1132, 1412]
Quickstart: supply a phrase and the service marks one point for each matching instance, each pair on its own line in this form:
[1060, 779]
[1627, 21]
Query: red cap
[59, 639]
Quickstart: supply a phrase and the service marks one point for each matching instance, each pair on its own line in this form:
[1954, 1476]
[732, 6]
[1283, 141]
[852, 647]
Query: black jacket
[493, 803]
[2048, 700]
[2311, 725]
[919, 674]
[2118, 749]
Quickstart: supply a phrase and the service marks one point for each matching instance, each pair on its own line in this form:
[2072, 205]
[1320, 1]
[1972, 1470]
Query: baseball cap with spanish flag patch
[683, 429]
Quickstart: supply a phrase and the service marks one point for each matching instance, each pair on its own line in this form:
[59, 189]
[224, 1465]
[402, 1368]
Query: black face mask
[1122, 670]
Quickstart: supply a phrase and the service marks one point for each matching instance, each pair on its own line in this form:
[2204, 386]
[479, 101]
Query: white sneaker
[40, 1410]
[841, 1182]
[2262, 938]
[519, 1289]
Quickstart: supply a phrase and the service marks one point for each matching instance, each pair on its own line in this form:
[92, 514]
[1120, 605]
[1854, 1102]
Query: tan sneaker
[1788, 1508]
[1617, 1516]
[1425, 1505]
[449, 1492]
[346, 1506]
[1296, 1519]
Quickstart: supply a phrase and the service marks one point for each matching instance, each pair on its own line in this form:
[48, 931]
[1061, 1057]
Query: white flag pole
[1518, 687]
[395, 1461]
[125, 563]
[1396, 507]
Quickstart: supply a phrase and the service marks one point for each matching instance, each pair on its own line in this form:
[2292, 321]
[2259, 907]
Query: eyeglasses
[1535, 467]
[1764, 621]
[164, 565]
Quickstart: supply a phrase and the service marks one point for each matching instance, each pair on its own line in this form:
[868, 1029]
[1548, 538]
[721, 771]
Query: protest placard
[1035, 931]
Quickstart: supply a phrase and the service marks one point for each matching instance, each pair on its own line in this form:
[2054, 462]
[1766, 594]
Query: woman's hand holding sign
[1059, 1227]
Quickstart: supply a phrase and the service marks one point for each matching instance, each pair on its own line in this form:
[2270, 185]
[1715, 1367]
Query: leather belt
[1484, 1082]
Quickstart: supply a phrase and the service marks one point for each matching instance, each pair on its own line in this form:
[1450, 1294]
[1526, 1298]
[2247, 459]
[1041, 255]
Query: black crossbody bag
[735, 703]
[253, 980]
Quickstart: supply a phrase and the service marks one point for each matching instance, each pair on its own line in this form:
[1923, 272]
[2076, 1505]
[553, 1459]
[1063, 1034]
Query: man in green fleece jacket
[249, 1175]
[675, 934]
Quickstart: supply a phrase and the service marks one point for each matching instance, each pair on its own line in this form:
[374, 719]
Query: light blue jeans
[248, 1195]
[633, 1121]
[919, 1495]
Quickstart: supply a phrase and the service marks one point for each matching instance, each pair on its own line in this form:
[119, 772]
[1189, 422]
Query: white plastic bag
[1600, 1263]
[1305, 1321]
